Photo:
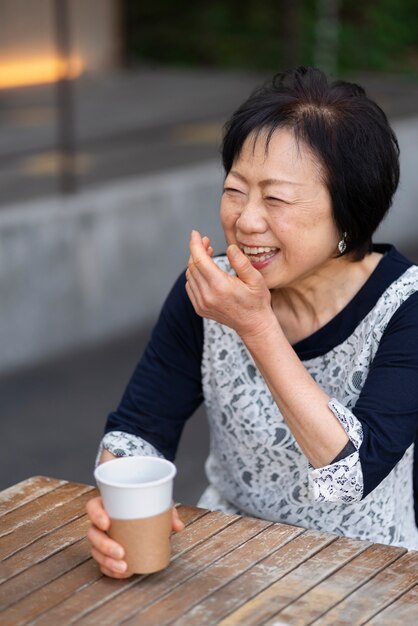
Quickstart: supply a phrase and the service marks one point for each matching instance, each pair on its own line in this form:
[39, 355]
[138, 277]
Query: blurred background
[111, 114]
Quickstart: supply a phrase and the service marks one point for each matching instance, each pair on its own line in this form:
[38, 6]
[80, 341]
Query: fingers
[242, 266]
[104, 550]
[200, 257]
[112, 574]
[204, 279]
[97, 514]
[202, 273]
[196, 289]
[107, 553]
[196, 282]
[177, 523]
[207, 246]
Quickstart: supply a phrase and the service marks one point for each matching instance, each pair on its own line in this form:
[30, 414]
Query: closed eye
[232, 190]
[274, 199]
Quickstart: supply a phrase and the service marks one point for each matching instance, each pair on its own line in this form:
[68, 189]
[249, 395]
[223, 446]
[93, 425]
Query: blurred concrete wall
[75, 270]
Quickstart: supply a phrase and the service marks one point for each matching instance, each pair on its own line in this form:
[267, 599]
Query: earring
[342, 245]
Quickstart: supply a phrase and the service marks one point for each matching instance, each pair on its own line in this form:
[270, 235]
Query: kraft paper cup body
[137, 493]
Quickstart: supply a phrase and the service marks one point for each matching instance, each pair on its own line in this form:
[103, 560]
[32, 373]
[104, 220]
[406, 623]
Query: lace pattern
[255, 465]
[125, 444]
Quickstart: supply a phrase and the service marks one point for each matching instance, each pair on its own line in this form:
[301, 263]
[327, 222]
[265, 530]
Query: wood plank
[298, 581]
[63, 587]
[58, 585]
[338, 586]
[189, 514]
[175, 604]
[31, 511]
[381, 591]
[25, 491]
[257, 578]
[42, 525]
[117, 609]
[46, 571]
[44, 547]
[28, 581]
[402, 612]
[122, 599]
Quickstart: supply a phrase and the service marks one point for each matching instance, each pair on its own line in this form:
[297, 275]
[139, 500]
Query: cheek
[228, 216]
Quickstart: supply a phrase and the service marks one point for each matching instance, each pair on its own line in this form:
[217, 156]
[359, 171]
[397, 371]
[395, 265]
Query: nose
[252, 218]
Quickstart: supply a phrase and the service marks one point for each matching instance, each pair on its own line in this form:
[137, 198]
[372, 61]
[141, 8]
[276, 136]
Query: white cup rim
[144, 485]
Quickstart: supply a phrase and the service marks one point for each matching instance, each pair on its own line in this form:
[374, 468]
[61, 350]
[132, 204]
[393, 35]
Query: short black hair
[348, 133]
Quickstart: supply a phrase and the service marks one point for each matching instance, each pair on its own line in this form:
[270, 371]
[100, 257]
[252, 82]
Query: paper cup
[137, 493]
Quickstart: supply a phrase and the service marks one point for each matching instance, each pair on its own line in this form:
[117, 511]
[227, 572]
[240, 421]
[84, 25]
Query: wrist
[260, 331]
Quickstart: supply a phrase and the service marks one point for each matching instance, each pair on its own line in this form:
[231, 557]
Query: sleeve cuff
[125, 444]
[341, 481]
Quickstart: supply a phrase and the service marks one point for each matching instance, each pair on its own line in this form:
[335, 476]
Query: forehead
[279, 152]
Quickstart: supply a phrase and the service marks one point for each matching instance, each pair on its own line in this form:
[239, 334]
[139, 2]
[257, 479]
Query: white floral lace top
[255, 466]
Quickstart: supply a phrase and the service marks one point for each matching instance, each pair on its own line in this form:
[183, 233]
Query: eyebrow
[268, 181]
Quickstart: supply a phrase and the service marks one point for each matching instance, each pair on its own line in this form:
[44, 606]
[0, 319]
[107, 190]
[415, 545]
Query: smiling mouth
[259, 254]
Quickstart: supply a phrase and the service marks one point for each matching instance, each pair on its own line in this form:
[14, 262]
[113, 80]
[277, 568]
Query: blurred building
[137, 145]
[30, 32]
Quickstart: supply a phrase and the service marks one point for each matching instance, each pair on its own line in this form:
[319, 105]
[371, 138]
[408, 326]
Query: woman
[302, 339]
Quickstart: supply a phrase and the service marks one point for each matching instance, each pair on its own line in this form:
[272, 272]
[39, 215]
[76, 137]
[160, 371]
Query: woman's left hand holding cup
[106, 552]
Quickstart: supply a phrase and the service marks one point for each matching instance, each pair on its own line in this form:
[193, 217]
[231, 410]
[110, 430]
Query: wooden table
[225, 570]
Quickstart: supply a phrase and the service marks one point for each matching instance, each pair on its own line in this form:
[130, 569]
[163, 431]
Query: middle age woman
[302, 339]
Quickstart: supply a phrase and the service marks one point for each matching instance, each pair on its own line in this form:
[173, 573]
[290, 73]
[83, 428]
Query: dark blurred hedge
[374, 35]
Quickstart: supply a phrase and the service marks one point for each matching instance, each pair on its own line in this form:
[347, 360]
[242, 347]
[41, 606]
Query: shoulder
[402, 292]
[398, 342]
[399, 296]
[406, 314]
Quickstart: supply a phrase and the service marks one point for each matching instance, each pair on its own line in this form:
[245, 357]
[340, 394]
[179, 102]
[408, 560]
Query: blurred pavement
[53, 414]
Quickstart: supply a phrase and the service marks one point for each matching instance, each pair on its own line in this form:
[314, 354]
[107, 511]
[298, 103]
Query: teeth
[259, 250]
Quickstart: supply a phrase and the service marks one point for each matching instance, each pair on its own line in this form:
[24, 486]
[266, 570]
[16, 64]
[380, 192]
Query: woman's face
[277, 209]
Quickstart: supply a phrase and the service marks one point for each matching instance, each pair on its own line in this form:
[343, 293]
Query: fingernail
[102, 522]
[117, 552]
[120, 566]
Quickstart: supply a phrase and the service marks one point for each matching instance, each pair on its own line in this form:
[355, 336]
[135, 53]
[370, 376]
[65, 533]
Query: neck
[309, 303]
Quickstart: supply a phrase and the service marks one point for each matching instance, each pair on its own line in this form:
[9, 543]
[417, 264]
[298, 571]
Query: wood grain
[402, 612]
[315, 602]
[41, 574]
[44, 547]
[311, 569]
[199, 545]
[175, 604]
[225, 570]
[381, 591]
[40, 525]
[58, 578]
[57, 591]
[25, 491]
[288, 554]
[28, 513]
